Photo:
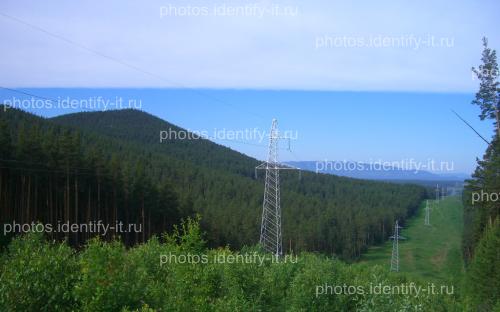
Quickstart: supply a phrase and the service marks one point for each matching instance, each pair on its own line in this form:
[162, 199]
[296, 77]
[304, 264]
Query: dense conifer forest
[481, 236]
[111, 166]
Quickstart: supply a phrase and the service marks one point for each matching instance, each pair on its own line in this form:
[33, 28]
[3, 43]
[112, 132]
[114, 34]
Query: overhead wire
[126, 64]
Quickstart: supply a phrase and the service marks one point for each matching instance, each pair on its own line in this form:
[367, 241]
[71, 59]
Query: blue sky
[358, 81]
[354, 126]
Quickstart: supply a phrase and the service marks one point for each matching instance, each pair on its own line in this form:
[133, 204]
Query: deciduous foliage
[105, 276]
[37, 276]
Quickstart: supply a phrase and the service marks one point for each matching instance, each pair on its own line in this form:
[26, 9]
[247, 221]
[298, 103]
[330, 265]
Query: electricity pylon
[270, 229]
[443, 193]
[395, 247]
[437, 193]
[427, 214]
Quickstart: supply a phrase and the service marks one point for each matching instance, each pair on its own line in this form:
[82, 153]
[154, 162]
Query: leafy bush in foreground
[105, 276]
[37, 275]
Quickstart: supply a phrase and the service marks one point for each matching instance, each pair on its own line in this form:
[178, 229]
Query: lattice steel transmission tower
[395, 247]
[427, 214]
[270, 230]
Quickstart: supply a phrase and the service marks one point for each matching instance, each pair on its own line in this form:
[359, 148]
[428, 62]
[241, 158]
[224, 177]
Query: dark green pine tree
[485, 178]
[140, 186]
[5, 154]
[22, 145]
[69, 154]
[5, 140]
[488, 96]
[481, 239]
[116, 182]
[168, 206]
[484, 271]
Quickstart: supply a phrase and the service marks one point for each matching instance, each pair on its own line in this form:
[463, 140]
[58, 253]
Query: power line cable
[44, 164]
[471, 127]
[56, 171]
[123, 63]
[26, 93]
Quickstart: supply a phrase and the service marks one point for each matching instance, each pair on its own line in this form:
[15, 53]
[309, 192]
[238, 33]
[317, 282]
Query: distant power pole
[395, 247]
[443, 193]
[270, 230]
[427, 214]
[437, 193]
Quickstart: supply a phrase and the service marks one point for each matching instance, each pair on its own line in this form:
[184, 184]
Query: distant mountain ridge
[375, 171]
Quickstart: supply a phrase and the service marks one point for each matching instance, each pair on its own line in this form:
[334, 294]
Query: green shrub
[37, 275]
[107, 280]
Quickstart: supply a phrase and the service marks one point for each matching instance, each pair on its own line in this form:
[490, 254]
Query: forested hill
[112, 165]
[144, 129]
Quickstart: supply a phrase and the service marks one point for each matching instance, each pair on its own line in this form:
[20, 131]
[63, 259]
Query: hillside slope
[320, 212]
[143, 129]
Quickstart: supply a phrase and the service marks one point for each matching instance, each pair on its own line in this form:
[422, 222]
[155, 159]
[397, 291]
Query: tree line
[47, 177]
[111, 166]
[481, 237]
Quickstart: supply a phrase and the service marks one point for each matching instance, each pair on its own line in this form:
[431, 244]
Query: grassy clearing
[430, 252]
